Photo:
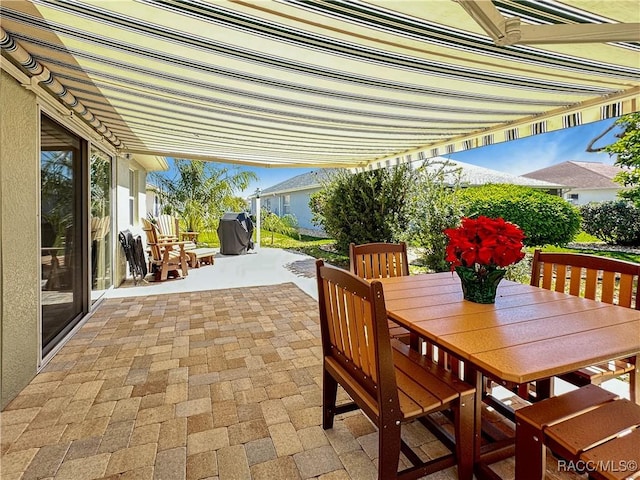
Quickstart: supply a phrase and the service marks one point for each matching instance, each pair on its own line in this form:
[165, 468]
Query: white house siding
[123, 222]
[591, 195]
[300, 208]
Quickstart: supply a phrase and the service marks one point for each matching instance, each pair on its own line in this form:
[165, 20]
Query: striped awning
[323, 83]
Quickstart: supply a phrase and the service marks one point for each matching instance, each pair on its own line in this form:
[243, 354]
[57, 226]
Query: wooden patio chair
[391, 383]
[597, 278]
[164, 256]
[382, 260]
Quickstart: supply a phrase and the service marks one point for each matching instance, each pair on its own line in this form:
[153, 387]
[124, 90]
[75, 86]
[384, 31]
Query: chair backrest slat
[168, 225]
[598, 278]
[379, 260]
[152, 239]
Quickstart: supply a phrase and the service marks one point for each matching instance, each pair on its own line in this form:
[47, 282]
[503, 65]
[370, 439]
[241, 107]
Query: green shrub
[285, 225]
[546, 219]
[616, 222]
[433, 208]
[364, 207]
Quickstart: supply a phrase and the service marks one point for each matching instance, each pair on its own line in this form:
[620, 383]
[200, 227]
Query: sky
[515, 157]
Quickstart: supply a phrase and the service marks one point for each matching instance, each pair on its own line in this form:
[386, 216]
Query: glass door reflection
[101, 231]
[62, 280]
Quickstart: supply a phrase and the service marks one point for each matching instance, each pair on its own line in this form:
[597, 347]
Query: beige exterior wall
[19, 268]
[123, 222]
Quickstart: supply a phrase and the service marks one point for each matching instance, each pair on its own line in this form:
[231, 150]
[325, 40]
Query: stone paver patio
[215, 384]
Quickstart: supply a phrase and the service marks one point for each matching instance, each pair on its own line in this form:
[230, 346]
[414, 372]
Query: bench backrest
[597, 278]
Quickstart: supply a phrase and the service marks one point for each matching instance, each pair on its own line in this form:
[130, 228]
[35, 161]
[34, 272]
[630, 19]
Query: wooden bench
[201, 255]
[587, 428]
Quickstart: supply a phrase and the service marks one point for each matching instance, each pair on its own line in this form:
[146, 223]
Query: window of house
[572, 197]
[286, 204]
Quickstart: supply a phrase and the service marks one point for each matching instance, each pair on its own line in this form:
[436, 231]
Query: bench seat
[201, 255]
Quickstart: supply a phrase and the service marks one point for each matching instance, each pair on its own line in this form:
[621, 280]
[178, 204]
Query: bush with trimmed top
[546, 219]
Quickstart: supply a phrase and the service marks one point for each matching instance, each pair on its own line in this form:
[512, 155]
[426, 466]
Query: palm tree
[200, 192]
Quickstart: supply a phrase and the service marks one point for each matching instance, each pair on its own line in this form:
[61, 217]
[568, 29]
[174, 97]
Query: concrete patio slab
[265, 266]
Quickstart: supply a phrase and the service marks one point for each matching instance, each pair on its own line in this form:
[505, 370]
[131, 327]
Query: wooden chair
[382, 260]
[597, 278]
[164, 256]
[588, 428]
[391, 383]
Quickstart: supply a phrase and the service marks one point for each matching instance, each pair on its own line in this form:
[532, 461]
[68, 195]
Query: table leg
[634, 381]
[475, 377]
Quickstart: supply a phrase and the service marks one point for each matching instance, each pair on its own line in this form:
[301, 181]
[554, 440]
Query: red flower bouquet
[478, 251]
[484, 243]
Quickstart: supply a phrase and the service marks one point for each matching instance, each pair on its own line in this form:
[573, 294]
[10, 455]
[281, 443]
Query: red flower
[484, 242]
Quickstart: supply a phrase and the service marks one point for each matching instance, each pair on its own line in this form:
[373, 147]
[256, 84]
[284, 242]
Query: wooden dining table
[528, 334]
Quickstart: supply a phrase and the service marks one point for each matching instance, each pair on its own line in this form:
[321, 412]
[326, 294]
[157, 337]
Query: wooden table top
[528, 334]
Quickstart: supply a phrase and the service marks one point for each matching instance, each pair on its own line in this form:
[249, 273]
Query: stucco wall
[19, 269]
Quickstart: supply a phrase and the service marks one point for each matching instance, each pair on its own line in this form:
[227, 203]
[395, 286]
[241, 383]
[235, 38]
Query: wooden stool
[583, 427]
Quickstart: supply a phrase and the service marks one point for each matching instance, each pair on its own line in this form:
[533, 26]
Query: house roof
[319, 84]
[473, 176]
[304, 181]
[585, 175]
[470, 175]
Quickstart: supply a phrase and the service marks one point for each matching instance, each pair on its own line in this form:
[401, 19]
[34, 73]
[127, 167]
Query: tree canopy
[627, 150]
[200, 192]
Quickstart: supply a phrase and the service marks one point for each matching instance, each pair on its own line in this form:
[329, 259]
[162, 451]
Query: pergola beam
[510, 31]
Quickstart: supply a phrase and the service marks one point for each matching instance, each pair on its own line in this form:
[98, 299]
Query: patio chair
[391, 383]
[382, 260]
[597, 278]
[164, 257]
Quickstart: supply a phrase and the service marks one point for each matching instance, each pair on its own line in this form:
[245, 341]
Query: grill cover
[235, 231]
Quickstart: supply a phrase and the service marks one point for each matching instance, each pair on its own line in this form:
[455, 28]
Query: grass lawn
[312, 247]
[305, 244]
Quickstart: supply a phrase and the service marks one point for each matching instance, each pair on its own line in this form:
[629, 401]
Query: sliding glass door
[63, 238]
[101, 231]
